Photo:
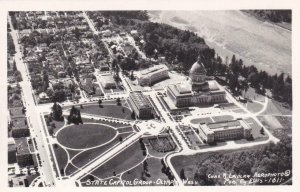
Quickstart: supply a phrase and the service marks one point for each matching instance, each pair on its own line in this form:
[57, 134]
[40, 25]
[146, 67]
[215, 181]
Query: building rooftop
[108, 79]
[224, 124]
[150, 71]
[140, 99]
[22, 146]
[198, 68]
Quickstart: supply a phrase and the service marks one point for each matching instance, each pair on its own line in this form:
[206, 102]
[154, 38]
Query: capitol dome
[198, 68]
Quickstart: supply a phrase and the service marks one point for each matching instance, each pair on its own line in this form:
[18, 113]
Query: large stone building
[152, 75]
[197, 91]
[24, 157]
[226, 130]
[140, 105]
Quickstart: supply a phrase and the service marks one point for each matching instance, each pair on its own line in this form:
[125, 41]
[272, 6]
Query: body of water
[262, 44]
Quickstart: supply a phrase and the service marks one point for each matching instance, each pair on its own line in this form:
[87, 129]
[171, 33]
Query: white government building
[152, 75]
[197, 91]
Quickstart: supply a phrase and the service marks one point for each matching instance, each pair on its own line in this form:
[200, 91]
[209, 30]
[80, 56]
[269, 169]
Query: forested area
[275, 16]
[271, 158]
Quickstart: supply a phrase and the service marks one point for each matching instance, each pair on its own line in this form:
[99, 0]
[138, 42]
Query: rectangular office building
[140, 104]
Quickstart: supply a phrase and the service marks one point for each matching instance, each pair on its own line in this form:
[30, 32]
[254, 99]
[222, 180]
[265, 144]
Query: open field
[251, 94]
[280, 126]
[127, 159]
[85, 135]
[154, 172]
[109, 110]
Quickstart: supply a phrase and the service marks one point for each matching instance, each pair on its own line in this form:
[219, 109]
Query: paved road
[35, 124]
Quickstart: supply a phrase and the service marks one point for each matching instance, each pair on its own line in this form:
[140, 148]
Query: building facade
[140, 104]
[197, 91]
[152, 75]
[108, 81]
[222, 131]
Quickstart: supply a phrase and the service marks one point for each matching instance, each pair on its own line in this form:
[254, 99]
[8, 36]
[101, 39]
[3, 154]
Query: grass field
[280, 126]
[70, 169]
[202, 120]
[276, 108]
[255, 128]
[128, 158]
[61, 157]
[222, 118]
[86, 156]
[58, 124]
[85, 135]
[108, 110]
[254, 107]
[154, 171]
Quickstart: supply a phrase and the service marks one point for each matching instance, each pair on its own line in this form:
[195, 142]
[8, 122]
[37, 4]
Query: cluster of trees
[271, 158]
[275, 16]
[10, 45]
[180, 47]
[239, 77]
[75, 116]
[57, 112]
[166, 170]
[119, 17]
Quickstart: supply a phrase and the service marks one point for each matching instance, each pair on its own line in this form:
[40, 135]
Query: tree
[75, 116]
[182, 174]
[118, 100]
[57, 112]
[133, 115]
[120, 139]
[262, 131]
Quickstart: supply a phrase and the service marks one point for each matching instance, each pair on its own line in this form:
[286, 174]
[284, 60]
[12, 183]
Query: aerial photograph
[149, 98]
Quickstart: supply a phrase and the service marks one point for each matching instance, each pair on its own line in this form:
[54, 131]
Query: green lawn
[85, 135]
[154, 170]
[222, 118]
[86, 156]
[128, 158]
[201, 120]
[111, 110]
[254, 107]
[70, 169]
[61, 157]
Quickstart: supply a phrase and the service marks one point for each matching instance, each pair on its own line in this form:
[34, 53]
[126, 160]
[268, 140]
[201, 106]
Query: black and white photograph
[144, 98]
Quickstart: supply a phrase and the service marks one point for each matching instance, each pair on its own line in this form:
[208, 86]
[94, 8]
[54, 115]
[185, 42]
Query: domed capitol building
[198, 90]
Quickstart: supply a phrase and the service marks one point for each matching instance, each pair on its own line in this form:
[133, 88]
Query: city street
[35, 124]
